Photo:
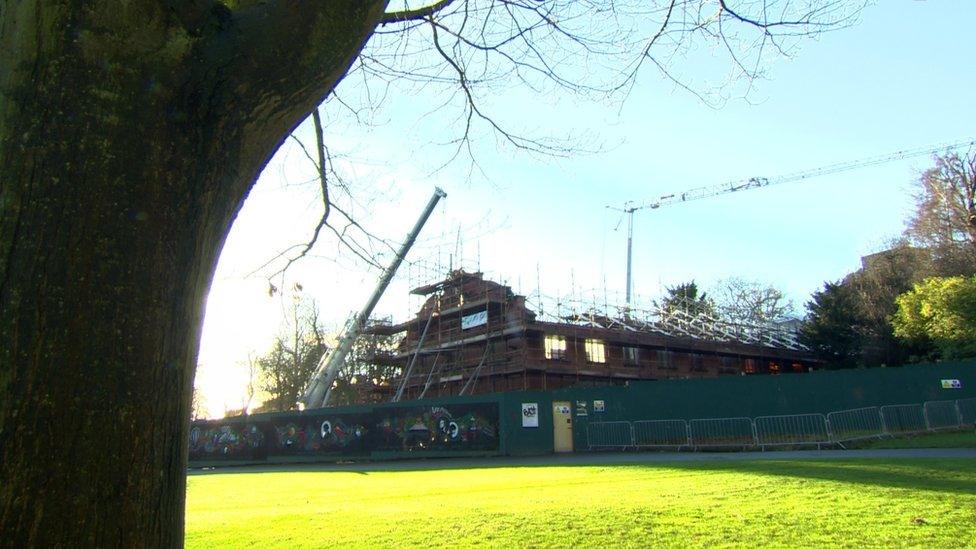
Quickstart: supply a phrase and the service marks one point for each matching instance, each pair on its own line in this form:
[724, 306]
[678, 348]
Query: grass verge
[958, 439]
[865, 502]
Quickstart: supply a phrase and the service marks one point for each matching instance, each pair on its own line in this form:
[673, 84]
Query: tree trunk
[129, 136]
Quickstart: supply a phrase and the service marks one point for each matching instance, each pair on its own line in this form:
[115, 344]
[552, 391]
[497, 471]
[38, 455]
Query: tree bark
[130, 135]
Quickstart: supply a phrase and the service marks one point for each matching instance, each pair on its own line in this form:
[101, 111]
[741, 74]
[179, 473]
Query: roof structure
[473, 335]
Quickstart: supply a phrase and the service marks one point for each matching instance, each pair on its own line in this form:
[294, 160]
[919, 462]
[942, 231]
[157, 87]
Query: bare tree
[250, 389]
[751, 302]
[465, 52]
[287, 368]
[130, 136]
[198, 409]
[945, 213]
[366, 378]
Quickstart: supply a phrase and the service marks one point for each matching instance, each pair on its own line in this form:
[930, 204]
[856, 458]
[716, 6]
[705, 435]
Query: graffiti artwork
[467, 427]
[452, 427]
[225, 441]
[322, 434]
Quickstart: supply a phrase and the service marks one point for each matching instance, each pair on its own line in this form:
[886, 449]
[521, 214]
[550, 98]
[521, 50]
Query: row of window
[596, 350]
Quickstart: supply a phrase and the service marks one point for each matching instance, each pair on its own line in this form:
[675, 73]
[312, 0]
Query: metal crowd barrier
[941, 414]
[967, 411]
[903, 419]
[663, 433]
[785, 430]
[856, 424]
[730, 431]
[610, 434]
[792, 430]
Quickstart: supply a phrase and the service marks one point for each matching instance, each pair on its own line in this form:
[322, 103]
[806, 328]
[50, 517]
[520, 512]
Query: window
[664, 360]
[596, 351]
[631, 355]
[555, 347]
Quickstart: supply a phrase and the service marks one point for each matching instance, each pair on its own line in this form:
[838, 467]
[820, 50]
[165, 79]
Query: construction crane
[320, 386]
[699, 193]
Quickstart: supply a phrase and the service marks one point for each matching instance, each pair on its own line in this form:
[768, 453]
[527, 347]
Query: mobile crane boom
[320, 386]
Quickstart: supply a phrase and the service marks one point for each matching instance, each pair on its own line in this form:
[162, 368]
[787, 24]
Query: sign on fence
[951, 384]
[530, 414]
[581, 407]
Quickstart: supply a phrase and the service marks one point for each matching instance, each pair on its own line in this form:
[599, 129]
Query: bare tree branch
[418, 14]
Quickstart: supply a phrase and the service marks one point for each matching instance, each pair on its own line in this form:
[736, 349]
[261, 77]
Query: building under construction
[477, 336]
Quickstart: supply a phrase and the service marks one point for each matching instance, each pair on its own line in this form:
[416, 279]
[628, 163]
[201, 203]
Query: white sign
[599, 405]
[581, 407]
[951, 384]
[530, 414]
[474, 320]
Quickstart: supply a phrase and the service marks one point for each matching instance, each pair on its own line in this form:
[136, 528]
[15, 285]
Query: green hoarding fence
[521, 423]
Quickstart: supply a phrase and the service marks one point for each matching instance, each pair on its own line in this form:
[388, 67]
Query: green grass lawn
[959, 439]
[864, 502]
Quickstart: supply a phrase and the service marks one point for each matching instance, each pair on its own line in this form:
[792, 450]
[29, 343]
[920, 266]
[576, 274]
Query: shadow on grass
[939, 474]
[956, 476]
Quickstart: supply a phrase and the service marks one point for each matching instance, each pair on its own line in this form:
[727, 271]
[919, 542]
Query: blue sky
[903, 77]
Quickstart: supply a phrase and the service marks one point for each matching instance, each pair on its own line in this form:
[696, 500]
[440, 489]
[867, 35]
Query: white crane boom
[699, 193]
[756, 182]
[320, 386]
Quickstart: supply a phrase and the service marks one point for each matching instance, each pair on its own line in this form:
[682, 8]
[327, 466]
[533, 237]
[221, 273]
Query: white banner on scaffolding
[474, 320]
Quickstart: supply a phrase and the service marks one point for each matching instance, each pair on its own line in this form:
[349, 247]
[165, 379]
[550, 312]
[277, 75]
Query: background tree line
[916, 300]
[277, 379]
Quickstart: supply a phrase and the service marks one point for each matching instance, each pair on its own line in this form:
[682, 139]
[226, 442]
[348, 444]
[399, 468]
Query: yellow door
[562, 426]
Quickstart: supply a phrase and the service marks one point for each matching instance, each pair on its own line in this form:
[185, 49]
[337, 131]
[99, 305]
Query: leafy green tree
[830, 329]
[883, 277]
[940, 310]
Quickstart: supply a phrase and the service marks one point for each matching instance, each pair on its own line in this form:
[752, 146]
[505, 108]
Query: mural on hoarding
[322, 434]
[225, 441]
[452, 427]
[459, 427]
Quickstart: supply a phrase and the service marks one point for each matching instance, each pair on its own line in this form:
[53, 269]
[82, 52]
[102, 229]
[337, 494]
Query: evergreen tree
[686, 298]
[830, 330]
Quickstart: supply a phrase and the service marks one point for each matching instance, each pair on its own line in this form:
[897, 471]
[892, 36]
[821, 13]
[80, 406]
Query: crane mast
[320, 386]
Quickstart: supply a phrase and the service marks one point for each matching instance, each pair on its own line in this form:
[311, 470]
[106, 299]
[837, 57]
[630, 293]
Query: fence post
[884, 422]
[925, 416]
[958, 414]
[688, 432]
[633, 437]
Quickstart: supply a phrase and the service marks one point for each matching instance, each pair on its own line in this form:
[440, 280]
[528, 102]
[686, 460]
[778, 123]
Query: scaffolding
[473, 335]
